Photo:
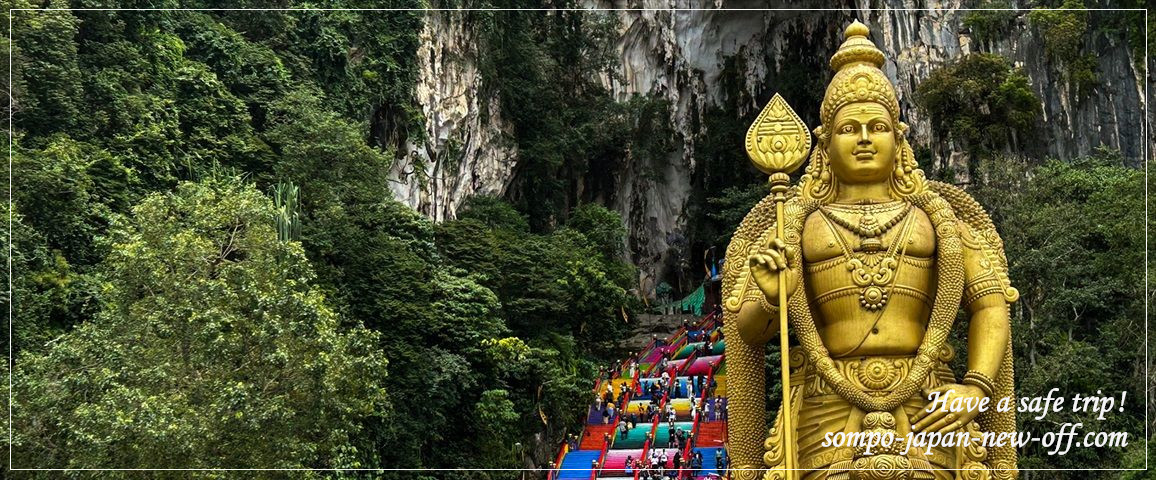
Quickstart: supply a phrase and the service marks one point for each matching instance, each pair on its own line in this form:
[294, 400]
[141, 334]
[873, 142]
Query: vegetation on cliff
[168, 314]
[208, 269]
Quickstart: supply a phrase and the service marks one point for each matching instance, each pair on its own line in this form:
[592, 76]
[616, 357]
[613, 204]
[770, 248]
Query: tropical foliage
[209, 269]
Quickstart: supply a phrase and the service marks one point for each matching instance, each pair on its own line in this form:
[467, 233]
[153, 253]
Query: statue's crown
[858, 76]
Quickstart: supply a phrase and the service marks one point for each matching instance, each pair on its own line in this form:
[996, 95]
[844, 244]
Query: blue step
[709, 465]
[576, 464]
[680, 390]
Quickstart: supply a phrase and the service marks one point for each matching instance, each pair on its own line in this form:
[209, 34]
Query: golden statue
[873, 263]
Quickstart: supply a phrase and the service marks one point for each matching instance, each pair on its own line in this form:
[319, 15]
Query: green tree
[732, 205]
[988, 25]
[980, 101]
[606, 234]
[602, 227]
[497, 423]
[1063, 32]
[251, 70]
[544, 70]
[326, 155]
[49, 294]
[1074, 238]
[470, 245]
[563, 281]
[48, 85]
[494, 213]
[67, 190]
[64, 193]
[212, 349]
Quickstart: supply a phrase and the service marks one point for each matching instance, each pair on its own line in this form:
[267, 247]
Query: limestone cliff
[466, 152]
[698, 59]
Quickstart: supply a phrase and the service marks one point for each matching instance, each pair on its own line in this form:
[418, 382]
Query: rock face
[466, 152]
[916, 42]
[698, 59]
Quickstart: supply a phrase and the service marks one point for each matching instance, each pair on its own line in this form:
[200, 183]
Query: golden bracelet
[766, 304]
[979, 379]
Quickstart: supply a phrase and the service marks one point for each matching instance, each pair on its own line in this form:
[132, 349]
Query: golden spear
[777, 143]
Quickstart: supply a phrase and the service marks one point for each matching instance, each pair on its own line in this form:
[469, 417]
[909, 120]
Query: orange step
[711, 434]
[592, 437]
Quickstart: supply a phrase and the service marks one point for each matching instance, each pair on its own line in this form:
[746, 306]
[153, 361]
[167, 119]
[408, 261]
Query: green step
[662, 434]
[635, 437]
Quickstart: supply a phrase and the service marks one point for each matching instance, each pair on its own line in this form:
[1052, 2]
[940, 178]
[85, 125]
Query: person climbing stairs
[602, 451]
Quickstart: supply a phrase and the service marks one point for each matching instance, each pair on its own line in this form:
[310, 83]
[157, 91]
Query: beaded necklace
[868, 227]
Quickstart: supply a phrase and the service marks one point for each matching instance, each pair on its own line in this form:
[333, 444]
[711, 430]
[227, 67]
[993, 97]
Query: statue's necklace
[868, 227]
[871, 272]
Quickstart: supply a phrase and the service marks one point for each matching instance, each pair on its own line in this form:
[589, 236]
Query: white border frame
[1146, 147]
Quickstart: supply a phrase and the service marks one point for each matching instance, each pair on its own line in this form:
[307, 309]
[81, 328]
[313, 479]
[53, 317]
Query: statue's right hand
[768, 264]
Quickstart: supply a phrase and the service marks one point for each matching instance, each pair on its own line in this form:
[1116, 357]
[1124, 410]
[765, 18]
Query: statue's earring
[906, 154]
[820, 183]
[903, 180]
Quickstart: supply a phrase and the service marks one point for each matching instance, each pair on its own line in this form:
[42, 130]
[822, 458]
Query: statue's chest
[853, 270]
[825, 239]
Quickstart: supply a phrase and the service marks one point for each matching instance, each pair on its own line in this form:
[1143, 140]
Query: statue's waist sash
[875, 375]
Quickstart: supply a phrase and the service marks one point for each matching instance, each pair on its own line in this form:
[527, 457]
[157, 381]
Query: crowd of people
[661, 463]
[610, 403]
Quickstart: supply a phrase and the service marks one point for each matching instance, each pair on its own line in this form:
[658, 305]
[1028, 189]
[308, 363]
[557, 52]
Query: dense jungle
[409, 239]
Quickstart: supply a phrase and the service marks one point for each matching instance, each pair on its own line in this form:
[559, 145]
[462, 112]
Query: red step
[711, 434]
[592, 438]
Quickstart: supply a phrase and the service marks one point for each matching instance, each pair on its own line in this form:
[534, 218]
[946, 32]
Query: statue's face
[862, 144]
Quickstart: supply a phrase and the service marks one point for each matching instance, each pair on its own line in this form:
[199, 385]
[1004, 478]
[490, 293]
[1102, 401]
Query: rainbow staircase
[603, 451]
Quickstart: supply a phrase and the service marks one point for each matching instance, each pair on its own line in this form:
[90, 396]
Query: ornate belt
[875, 375]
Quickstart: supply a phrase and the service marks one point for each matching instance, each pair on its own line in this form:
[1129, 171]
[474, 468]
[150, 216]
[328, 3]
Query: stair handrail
[646, 349]
[692, 440]
[682, 335]
[642, 457]
[566, 445]
[708, 319]
[649, 440]
[650, 369]
[646, 446]
[558, 460]
[602, 457]
[661, 414]
[704, 319]
[623, 409]
[701, 400]
[690, 358]
[666, 341]
[698, 325]
[635, 384]
[679, 336]
[623, 406]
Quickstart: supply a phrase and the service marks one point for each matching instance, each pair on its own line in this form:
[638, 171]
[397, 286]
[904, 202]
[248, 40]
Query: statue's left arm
[985, 300]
